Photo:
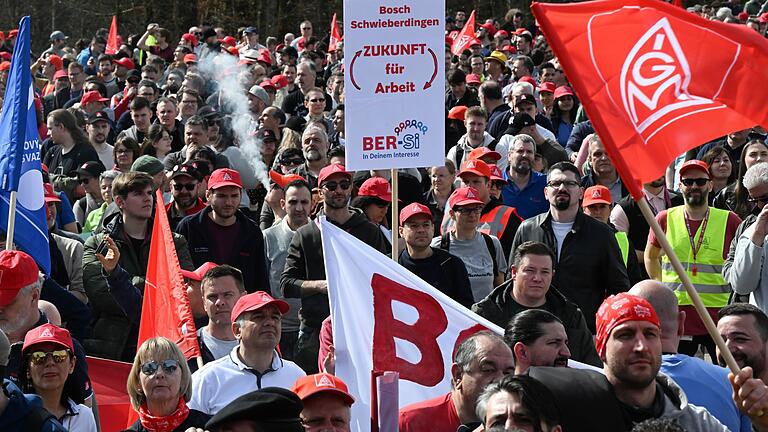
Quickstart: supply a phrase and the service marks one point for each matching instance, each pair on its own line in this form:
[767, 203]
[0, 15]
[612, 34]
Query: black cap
[518, 122]
[98, 116]
[523, 98]
[201, 166]
[133, 75]
[270, 407]
[209, 113]
[266, 134]
[296, 124]
[189, 169]
[291, 153]
[91, 168]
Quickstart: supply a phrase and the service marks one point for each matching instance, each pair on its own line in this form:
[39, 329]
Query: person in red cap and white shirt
[700, 235]
[223, 234]
[374, 198]
[435, 266]
[481, 253]
[304, 273]
[597, 204]
[49, 363]
[253, 364]
[327, 403]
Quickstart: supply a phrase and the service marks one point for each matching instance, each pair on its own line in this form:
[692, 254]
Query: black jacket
[443, 271]
[250, 258]
[589, 267]
[305, 262]
[499, 308]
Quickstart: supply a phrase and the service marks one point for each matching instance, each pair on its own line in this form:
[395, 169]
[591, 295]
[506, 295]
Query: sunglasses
[169, 366]
[189, 186]
[293, 162]
[696, 181]
[40, 357]
[331, 186]
[315, 100]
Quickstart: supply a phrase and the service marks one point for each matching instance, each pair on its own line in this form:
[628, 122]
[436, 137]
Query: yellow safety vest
[623, 240]
[708, 281]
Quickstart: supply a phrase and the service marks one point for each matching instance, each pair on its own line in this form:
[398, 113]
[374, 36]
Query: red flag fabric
[112, 40]
[465, 36]
[108, 378]
[655, 93]
[678, 3]
[335, 34]
[165, 310]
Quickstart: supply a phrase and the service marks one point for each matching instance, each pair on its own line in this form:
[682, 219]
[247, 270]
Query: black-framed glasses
[695, 181]
[567, 183]
[40, 357]
[468, 210]
[188, 186]
[315, 100]
[331, 186]
[762, 199]
[169, 366]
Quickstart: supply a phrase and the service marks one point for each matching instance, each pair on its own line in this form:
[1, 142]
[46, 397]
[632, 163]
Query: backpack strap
[459, 156]
[492, 145]
[445, 242]
[492, 251]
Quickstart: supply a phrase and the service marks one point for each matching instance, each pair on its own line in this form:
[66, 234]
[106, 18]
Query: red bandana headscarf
[617, 309]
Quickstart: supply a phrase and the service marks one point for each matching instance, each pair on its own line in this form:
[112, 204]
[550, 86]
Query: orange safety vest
[495, 221]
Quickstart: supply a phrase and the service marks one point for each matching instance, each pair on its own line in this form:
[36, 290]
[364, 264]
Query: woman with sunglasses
[157, 142]
[48, 364]
[159, 385]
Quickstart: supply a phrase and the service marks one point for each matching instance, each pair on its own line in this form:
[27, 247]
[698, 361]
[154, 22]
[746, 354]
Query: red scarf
[163, 424]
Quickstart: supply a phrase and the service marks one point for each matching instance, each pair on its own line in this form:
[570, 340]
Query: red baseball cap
[412, 210]
[695, 164]
[268, 84]
[376, 187]
[309, 385]
[4, 66]
[49, 194]
[233, 50]
[198, 273]
[501, 34]
[596, 195]
[255, 301]
[126, 63]
[529, 80]
[48, 333]
[224, 177]
[61, 74]
[547, 86]
[563, 91]
[331, 170]
[280, 81]
[17, 270]
[473, 79]
[282, 180]
[189, 37]
[510, 49]
[489, 28]
[459, 112]
[464, 196]
[265, 57]
[496, 174]
[190, 58]
[13, 33]
[482, 152]
[56, 61]
[228, 40]
[475, 166]
[92, 96]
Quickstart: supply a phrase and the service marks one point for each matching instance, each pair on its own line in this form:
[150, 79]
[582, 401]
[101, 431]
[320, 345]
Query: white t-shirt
[561, 230]
[479, 263]
[218, 348]
[79, 418]
[105, 155]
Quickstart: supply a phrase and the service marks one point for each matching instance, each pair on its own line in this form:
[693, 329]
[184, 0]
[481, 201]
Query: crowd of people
[526, 223]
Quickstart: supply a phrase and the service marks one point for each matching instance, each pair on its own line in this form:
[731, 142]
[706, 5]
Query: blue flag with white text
[20, 168]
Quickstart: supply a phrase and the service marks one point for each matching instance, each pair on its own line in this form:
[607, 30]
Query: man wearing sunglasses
[88, 177]
[304, 273]
[744, 267]
[700, 235]
[185, 201]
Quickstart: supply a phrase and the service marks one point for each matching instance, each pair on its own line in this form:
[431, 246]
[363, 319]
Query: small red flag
[335, 34]
[165, 310]
[108, 378]
[465, 36]
[654, 93]
[112, 40]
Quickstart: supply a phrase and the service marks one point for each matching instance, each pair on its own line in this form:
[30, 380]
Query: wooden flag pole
[395, 209]
[11, 222]
[697, 303]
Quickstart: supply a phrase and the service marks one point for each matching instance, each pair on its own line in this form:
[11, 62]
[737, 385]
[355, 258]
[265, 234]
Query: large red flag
[335, 34]
[112, 40]
[165, 310]
[108, 378]
[672, 81]
[465, 36]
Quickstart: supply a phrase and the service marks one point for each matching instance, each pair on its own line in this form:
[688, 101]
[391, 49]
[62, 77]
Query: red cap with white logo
[224, 177]
[464, 196]
[310, 385]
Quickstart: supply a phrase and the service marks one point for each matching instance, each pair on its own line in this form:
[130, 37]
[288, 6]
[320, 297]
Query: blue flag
[20, 157]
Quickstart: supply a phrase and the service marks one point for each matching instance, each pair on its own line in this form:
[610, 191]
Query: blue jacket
[16, 416]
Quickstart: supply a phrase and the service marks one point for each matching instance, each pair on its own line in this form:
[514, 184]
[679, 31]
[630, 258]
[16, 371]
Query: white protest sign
[394, 83]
